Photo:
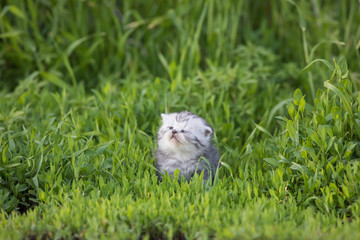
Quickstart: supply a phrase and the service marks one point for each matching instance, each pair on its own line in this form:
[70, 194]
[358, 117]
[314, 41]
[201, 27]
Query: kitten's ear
[164, 116]
[208, 131]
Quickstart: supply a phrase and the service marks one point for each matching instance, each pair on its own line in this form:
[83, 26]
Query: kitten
[183, 140]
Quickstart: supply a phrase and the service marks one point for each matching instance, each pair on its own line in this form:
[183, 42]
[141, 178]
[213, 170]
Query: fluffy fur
[184, 139]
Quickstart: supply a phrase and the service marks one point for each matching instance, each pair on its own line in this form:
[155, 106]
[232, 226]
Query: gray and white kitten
[183, 140]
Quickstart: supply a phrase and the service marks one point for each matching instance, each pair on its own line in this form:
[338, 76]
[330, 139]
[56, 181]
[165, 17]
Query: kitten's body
[184, 140]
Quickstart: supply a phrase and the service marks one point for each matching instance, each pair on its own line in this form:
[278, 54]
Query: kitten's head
[184, 132]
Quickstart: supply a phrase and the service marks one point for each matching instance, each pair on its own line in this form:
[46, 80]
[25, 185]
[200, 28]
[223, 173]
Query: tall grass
[89, 41]
[83, 84]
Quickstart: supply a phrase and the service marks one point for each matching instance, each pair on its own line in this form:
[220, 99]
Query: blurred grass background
[82, 86]
[95, 41]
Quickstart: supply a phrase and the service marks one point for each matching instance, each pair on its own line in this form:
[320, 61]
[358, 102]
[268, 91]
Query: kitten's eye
[171, 128]
[182, 131]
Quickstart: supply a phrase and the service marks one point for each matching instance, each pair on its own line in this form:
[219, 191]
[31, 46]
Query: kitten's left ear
[208, 131]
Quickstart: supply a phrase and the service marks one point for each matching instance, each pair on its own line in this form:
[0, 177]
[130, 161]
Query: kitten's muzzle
[174, 131]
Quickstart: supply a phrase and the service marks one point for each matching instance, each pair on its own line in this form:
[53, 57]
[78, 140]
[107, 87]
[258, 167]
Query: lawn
[82, 87]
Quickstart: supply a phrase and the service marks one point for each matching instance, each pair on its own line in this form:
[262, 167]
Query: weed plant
[83, 84]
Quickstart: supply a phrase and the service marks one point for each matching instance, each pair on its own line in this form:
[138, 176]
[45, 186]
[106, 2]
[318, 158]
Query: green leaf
[314, 136]
[227, 167]
[176, 174]
[291, 129]
[299, 168]
[10, 34]
[100, 149]
[42, 195]
[326, 63]
[297, 97]
[304, 152]
[276, 108]
[345, 191]
[291, 110]
[164, 62]
[322, 134]
[346, 103]
[4, 153]
[272, 162]
[74, 45]
[261, 129]
[55, 80]
[17, 12]
[36, 183]
[12, 165]
[302, 105]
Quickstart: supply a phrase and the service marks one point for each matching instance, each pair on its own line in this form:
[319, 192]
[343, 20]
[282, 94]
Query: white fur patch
[182, 138]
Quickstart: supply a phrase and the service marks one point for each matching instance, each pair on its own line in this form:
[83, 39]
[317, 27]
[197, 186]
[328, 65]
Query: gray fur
[193, 160]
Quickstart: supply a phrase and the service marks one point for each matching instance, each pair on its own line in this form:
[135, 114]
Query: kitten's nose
[174, 131]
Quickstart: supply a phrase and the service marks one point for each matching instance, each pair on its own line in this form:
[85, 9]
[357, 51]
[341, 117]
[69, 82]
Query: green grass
[82, 87]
